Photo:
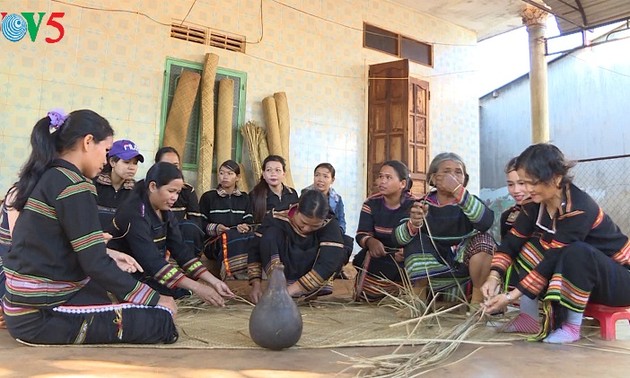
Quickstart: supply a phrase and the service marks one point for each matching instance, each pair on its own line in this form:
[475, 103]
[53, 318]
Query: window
[190, 155]
[397, 45]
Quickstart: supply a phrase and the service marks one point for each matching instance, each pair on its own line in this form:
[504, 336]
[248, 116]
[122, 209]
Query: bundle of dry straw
[255, 137]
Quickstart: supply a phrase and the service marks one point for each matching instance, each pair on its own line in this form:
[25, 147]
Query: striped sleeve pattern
[405, 233]
[169, 276]
[87, 241]
[472, 207]
[194, 268]
[41, 208]
[141, 294]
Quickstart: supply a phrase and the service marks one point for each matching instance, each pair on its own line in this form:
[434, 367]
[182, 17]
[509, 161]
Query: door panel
[397, 121]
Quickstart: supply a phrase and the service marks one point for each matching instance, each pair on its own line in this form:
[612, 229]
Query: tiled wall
[113, 63]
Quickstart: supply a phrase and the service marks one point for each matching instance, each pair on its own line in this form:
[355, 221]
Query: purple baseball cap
[125, 150]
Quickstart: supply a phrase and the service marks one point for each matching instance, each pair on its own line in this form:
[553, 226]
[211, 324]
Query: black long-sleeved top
[508, 217]
[139, 232]
[187, 206]
[288, 197]
[58, 247]
[219, 207]
[580, 219]
[379, 221]
[326, 244]
[109, 198]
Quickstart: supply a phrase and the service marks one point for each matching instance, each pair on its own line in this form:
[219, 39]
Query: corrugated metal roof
[576, 15]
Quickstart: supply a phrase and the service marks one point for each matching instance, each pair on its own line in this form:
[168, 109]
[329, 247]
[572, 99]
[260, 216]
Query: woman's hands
[168, 302]
[124, 262]
[417, 214]
[222, 228]
[447, 183]
[376, 249]
[243, 228]
[256, 291]
[495, 302]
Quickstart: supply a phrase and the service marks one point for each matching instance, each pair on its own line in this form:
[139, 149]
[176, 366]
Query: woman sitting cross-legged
[145, 228]
[227, 222]
[586, 258]
[446, 238]
[379, 262]
[306, 239]
[62, 287]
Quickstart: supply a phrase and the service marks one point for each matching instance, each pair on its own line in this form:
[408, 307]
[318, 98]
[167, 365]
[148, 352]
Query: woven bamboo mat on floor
[325, 325]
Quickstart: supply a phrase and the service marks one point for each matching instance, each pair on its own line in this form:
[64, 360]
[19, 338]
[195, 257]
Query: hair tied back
[57, 118]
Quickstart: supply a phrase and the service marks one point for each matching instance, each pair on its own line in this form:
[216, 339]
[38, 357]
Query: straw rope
[206, 145]
[178, 119]
[223, 141]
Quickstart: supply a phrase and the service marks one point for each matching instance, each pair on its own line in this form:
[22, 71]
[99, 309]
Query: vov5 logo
[15, 26]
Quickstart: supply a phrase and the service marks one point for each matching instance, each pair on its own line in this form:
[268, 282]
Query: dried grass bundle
[431, 354]
[255, 135]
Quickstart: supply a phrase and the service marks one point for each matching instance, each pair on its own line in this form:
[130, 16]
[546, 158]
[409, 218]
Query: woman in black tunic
[306, 239]
[227, 219]
[587, 257]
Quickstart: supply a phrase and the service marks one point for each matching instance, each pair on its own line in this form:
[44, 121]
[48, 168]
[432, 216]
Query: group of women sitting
[103, 271]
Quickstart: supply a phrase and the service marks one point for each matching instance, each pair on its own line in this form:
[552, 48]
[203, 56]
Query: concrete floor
[521, 359]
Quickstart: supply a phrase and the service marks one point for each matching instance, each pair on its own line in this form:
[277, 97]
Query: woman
[116, 181]
[227, 218]
[531, 253]
[8, 216]
[517, 191]
[323, 178]
[270, 192]
[62, 287]
[145, 228]
[186, 208]
[380, 260]
[586, 258]
[306, 239]
[446, 237]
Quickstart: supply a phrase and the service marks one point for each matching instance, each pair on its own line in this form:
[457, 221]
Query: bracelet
[456, 188]
[509, 297]
[495, 277]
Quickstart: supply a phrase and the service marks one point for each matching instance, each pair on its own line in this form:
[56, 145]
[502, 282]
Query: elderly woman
[446, 237]
[586, 257]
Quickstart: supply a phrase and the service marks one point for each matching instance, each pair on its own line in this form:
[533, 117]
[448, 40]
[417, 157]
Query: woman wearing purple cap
[116, 181]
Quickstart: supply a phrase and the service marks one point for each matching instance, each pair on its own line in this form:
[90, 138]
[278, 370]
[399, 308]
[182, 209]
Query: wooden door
[397, 122]
[418, 132]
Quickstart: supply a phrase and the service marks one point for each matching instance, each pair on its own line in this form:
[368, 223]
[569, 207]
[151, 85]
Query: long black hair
[258, 195]
[48, 142]
[161, 173]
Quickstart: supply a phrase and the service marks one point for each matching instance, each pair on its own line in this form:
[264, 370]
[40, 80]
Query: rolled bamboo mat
[206, 145]
[274, 141]
[223, 133]
[284, 123]
[178, 119]
[273, 129]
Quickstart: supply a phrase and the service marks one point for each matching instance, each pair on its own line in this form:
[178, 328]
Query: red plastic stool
[607, 316]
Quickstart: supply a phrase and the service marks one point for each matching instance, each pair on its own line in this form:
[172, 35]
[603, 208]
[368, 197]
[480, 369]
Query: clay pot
[276, 322]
